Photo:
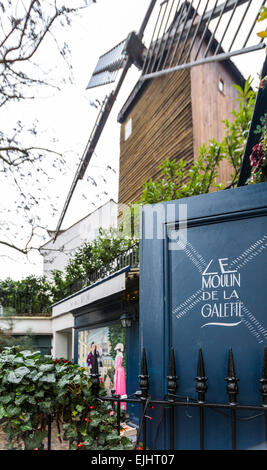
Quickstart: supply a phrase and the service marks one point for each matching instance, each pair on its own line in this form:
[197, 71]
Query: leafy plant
[35, 389]
[8, 340]
[262, 17]
[258, 157]
[31, 295]
[35, 295]
[237, 130]
[179, 180]
[97, 255]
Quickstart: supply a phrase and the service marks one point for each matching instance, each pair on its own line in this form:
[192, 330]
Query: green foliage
[97, 255]
[7, 340]
[262, 17]
[179, 180]
[35, 387]
[31, 295]
[237, 130]
[35, 295]
[258, 157]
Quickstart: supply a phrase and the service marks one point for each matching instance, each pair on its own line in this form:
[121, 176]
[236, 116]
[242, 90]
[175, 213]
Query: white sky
[69, 118]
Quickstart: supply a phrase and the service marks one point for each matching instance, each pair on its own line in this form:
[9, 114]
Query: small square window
[128, 129]
[221, 86]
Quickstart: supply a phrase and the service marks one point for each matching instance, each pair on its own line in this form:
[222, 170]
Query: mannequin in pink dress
[120, 379]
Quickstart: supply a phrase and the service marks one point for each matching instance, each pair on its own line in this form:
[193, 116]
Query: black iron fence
[171, 400]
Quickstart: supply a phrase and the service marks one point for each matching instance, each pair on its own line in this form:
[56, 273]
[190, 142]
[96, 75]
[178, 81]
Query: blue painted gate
[205, 287]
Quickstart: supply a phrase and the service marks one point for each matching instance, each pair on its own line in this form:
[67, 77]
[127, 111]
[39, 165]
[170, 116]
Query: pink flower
[257, 156]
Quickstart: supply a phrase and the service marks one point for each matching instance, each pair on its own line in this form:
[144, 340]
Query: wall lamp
[127, 319]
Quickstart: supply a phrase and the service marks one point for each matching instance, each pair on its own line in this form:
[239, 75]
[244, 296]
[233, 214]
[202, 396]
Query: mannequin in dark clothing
[91, 354]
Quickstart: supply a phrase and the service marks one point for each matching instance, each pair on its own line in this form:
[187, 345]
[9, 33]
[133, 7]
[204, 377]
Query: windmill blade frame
[174, 42]
[132, 56]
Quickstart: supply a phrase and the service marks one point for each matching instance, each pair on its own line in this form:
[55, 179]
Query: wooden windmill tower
[185, 34]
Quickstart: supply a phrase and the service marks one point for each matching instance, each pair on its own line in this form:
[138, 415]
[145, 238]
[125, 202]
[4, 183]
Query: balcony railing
[129, 257]
[27, 304]
[34, 304]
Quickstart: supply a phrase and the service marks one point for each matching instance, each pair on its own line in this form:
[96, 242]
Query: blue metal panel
[132, 358]
[184, 305]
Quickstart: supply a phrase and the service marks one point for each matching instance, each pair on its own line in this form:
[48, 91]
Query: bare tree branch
[25, 26]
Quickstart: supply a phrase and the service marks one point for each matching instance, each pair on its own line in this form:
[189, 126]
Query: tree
[27, 27]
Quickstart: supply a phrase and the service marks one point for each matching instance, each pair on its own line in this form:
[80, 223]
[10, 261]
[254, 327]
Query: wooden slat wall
[161, 128]
[210, 107]
[173, 117]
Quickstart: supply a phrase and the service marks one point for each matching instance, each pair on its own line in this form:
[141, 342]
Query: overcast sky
[69, 117]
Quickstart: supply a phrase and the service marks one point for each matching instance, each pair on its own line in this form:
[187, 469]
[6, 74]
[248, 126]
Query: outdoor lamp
[127, 319]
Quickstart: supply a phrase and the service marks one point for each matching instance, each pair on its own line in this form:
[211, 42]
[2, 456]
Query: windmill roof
[141, 85]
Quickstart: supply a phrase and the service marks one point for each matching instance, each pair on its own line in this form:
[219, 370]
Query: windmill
[185, 34]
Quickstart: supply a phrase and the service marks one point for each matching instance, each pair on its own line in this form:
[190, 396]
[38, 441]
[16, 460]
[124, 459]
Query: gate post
[232, 390]
[201, 388]
[144, 386]
[172, 387]
[263, 390]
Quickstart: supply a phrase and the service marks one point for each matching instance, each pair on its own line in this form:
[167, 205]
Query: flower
[263, 82]
[257, 156]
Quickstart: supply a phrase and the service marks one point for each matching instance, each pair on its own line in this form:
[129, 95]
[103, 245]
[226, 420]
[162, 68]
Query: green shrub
[35, 388]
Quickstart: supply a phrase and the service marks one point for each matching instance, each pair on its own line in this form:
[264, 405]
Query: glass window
[128, 129]
[109, 343]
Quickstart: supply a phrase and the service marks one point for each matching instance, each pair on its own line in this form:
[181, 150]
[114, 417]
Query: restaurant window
[109, 344]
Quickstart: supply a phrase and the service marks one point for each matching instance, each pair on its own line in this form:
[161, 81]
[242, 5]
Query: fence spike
[231, 364]
[263, 380]
[231, 379]
[200, 365]
[144, 363]
[143, 377]
[172, 367]
[201, 386]
[172, 378]
[264, 366]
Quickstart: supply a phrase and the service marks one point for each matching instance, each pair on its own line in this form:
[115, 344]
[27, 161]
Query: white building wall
[22, 325]
[62, 341]
[60, 327]
[56, 255]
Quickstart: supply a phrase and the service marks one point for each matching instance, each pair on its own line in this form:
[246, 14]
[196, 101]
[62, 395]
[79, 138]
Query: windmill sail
[193, 33]
[185, 34]
[122, 56]
[108, 65]
[87, 154]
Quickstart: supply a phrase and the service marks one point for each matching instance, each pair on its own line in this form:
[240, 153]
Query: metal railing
[129, 257]
[171, 401]
[14, 303]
